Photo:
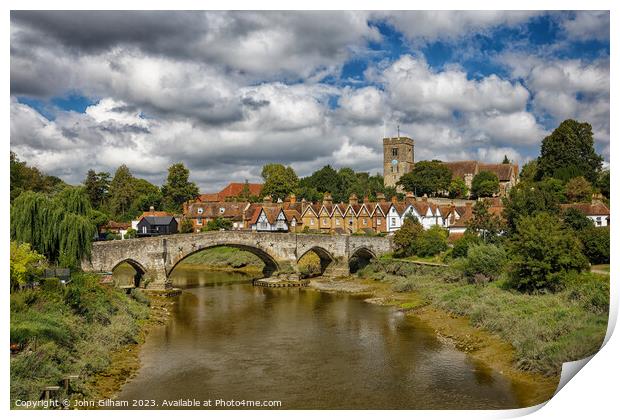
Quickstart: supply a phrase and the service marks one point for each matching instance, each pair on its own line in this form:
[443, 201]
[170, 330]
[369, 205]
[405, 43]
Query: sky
[227, 92]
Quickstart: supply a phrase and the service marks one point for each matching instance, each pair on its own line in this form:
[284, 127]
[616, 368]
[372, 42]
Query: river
[229, 340]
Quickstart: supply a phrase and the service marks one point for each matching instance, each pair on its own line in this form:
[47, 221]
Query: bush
[576, 219]
[131, 233]
[595, 242]
[542, 252]
[589, 290]
[484, 262]
[140, 297]
[186, 226]
[462, 244]
[26, 265]
[432, 242]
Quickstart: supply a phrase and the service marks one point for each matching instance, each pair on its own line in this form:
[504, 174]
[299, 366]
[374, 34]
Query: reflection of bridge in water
[155, 258]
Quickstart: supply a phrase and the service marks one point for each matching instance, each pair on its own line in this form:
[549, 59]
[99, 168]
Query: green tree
[60, 228]
[576, 219]
[529, 171]
[484, 184]
[186, 226]
[458, 188]
[596, 244]
[461, 245]
[217, 224]
[178, 189]
[97, 185]
[280, 181]
[26, 265]
[484, 262]
[121, 193]
[554, 188]
[484, 223]
[543, 251]
[526, 200]
[579, 190]
[432, 242]
[569, 152]
[427, 177]
[603, 182]
[406, 238]
[29, 178]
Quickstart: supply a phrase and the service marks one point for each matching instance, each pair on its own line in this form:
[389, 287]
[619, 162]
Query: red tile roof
[461, 168]
[594, 209]
[503, 170]
[233, 189]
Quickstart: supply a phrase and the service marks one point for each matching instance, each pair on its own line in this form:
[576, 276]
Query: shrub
[484, 262]
[406, 238]
[542, 252]
[432, 242]
[131, 233]
[589, 290]
[140, 297]
[462, 244]
[595, 242]
[26, 265]
[186, 226]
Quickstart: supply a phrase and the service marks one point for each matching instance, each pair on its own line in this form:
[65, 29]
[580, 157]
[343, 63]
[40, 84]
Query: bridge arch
[139, 269]
[271, 265]
[360, 258]
[324, 256]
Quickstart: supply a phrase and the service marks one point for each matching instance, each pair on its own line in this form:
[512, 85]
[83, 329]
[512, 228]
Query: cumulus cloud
[588, 25]
[226, 92]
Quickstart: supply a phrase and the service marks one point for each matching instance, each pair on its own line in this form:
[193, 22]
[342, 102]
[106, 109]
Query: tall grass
[544, 329]
[68, 330]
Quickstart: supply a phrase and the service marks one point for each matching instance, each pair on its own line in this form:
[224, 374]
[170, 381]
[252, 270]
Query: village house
[157, 225]
[595, 211]
[150, 213]
[231, 192]
[116, 228]
[201, 213]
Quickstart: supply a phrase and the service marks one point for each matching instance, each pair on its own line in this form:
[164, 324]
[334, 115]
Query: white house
[596, 211]
[267, 219]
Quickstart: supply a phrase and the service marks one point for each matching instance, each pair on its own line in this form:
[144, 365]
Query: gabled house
[595, 211]
[269, 219]
[157, 225]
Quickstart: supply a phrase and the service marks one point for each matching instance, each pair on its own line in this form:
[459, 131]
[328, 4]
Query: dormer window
[222, 210]
[200, 210]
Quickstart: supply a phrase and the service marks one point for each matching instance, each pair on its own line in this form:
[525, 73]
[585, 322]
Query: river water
[229, 340]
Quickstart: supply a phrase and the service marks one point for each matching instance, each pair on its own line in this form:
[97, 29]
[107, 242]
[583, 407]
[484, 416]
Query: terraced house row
[367, 217]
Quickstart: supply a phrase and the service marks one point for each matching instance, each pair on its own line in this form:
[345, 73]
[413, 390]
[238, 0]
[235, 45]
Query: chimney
[151, 209]
[353, 199]
[267, 199]
[425, 198]
[409, 198]
[292, 199]
[366, 200]
[381, 197]
[327, 198]
[394, 199]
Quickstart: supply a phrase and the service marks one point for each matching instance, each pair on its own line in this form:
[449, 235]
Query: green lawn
[601, 267]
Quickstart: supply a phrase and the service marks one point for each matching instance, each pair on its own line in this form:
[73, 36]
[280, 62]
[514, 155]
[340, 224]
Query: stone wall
[156, 257]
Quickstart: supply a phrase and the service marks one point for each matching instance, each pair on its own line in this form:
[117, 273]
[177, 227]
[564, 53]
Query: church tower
[397, 159]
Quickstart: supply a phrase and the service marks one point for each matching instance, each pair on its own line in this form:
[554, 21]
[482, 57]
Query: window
[324, 222]
[393, 221]
[200, 210]
[199, 221]
[312, 222]
[394, 151]
[143, 229]
[378, 222]
[364, 222]
[598, 221]
[337, 222]
[222, 210]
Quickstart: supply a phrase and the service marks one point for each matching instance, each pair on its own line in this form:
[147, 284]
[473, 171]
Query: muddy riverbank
[479, 344]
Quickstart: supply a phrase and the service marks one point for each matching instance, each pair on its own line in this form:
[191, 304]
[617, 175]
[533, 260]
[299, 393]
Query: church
[398, 159]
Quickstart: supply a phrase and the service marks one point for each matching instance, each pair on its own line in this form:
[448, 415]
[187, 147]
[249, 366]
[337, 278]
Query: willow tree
[61, 228]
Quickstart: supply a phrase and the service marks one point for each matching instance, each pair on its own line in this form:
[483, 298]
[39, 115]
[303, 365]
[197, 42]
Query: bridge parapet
[157, 256]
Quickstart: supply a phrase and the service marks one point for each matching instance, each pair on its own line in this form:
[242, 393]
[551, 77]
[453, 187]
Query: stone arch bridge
[155, 257]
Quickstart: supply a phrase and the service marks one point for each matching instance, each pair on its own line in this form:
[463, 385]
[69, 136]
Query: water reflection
[231, 340]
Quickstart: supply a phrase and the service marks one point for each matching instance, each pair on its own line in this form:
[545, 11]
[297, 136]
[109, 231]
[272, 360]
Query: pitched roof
[231, 210]
[116, 225]
[460, 168]
[233, 189]
[159, 220]
[292, 214]
[502, 170]
[466, 213]
[154, 214]
[593, 209]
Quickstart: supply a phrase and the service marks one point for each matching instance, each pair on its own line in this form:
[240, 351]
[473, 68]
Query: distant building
[157, 225]
[507, 173]
[201, 213]
[595, 211]
[150, 213]
[231, 191]
[397, 160]
[117, 228]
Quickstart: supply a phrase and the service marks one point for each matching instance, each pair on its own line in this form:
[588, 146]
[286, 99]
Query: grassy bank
[225, 258]
[545, 330]
[70, 330]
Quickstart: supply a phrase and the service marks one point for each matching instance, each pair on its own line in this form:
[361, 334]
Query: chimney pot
[151, 208]
[267, 199]
[394, 199]
[353, 199]
[293, 199]
[381, 197]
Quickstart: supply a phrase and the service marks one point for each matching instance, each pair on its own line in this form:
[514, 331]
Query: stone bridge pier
[155, 257]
